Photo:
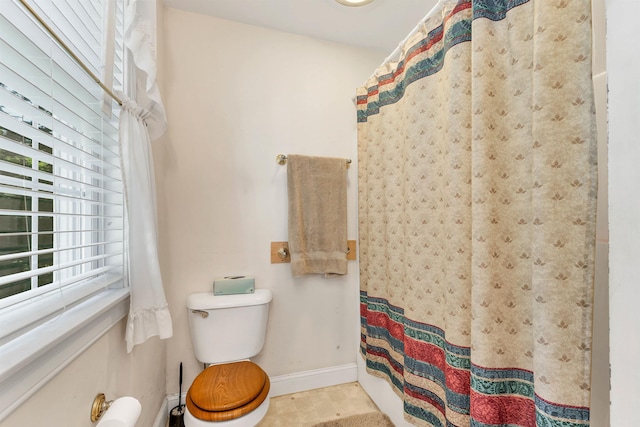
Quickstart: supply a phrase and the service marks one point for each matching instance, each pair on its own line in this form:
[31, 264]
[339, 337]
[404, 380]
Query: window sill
[28, 362]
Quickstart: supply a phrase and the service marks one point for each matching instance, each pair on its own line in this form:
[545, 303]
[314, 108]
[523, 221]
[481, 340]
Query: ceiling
[380, 25]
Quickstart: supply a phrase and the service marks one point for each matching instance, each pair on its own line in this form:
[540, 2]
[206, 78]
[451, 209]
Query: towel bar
[280, 252]
[281, 159]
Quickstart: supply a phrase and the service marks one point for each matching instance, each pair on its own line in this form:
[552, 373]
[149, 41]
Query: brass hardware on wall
[99, 407]
[280, 252]
[281, 159]
[283, 253]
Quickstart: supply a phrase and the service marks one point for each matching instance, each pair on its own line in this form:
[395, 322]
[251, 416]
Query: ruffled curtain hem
[146, 323]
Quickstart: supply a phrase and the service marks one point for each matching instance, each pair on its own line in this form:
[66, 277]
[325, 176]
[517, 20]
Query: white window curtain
[142, 120]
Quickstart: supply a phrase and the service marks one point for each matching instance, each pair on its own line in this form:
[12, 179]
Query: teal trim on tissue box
[232, 285]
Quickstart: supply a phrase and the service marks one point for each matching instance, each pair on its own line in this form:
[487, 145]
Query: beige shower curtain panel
[477, 186]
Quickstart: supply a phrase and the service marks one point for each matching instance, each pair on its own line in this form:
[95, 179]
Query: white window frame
[30, 359]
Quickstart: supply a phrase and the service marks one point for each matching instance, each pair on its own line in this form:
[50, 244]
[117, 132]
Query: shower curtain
[477, 186]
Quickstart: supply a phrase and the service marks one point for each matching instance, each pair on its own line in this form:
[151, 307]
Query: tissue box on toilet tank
[232, 285]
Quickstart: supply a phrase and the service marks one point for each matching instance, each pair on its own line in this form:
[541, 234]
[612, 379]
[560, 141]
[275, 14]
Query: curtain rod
[70, 52]
[398, 50]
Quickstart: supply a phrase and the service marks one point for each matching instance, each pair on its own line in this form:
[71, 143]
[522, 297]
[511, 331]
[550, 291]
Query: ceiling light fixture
[354, 2]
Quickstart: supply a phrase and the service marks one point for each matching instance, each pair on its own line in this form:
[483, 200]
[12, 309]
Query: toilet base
[249, 420]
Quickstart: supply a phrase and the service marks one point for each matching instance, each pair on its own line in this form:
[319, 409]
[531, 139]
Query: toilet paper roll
[123, 412]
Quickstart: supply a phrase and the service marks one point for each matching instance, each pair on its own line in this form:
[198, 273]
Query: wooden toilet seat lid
[227, 391]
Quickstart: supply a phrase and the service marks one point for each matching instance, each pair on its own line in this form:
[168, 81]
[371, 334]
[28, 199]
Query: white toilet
[226, 330]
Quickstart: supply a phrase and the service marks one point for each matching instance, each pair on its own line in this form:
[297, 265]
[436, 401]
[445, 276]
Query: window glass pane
[16, 159]
[45, 205]
[14, 243]
[12, 135]
[15, 287]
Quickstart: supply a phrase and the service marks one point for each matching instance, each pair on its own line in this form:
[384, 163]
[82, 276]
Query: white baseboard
[317, 378]
[284, 384]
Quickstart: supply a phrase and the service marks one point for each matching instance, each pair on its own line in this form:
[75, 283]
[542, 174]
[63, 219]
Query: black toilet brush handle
[180, 387]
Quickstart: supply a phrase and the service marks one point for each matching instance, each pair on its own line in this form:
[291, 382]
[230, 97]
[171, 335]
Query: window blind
[61, 198]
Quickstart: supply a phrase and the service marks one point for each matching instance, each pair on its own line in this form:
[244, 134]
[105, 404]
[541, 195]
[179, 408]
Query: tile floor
[307, 408]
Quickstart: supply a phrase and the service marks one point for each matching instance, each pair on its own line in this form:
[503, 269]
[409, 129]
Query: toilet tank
[226, 328]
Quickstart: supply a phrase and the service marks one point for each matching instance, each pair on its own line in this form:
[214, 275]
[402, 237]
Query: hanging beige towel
[317, 189]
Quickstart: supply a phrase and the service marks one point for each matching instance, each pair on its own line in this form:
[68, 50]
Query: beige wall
[105, 367]
[237, 96]
[623, 69]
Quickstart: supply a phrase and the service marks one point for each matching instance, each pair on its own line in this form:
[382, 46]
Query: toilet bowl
[250, 420]
[229, 394]
[226, 330]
